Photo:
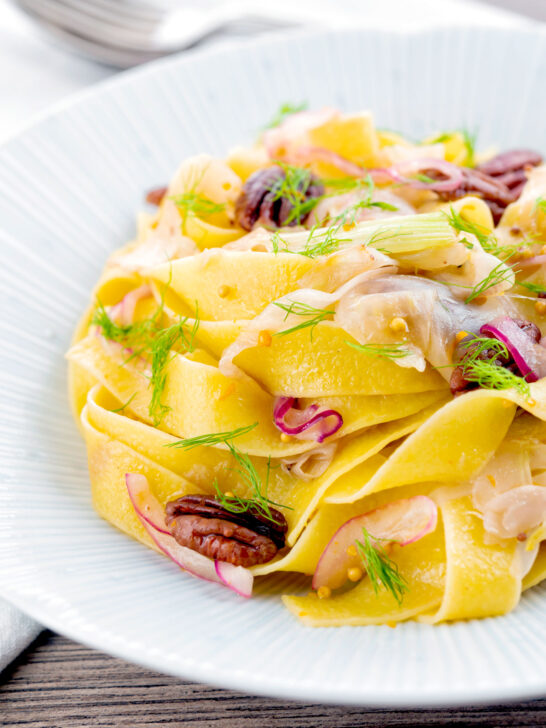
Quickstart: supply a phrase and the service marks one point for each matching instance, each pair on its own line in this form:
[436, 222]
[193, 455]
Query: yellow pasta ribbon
[422, 565]
[482, 579]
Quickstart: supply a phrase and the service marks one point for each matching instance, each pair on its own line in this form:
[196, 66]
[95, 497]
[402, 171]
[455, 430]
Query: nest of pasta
[324, 355]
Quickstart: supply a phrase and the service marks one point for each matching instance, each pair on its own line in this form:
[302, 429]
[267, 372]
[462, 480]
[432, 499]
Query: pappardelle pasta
[323, 354]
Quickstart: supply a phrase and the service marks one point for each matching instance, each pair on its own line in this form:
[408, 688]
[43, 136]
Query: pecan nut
[155, 196]
[201, 523]
[261, 201]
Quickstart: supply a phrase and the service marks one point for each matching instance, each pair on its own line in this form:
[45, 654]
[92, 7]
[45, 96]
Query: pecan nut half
[155, 196]
[201, 523]
[261, 203]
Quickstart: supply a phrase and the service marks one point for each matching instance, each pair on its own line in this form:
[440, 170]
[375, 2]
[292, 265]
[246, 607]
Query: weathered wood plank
[58, 684]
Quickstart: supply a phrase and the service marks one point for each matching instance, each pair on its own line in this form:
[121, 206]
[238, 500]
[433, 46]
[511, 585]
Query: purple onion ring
[304, 419]
[452, 173]
[533, 262]
[518, 343]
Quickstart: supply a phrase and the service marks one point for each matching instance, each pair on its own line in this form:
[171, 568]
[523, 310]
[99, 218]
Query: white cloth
[34, 73]
[16, 632]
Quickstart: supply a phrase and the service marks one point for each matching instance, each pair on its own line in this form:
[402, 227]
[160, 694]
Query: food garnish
[352, 546]
[245, 468]
[386, 351]
[297, 308]
[192, 204]
[380, 568]
[147, 338]
[213, 438]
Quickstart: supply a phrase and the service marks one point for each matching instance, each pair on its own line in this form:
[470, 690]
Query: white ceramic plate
[69, 188]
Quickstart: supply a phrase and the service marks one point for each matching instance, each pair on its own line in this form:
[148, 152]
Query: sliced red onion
[298, 423]
[402, 522]
[399, 173]
[380, 175]
[513, 180]
[522, 348]
[235, 577]
[533, 262]
[305, 155]
[124, 311]
[384, 175]
[311, 464]
[146, 506]
[115, 349]
[451, 172]
[492, 189]
[151, 515]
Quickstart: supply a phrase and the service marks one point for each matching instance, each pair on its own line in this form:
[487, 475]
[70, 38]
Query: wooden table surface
[57, 683]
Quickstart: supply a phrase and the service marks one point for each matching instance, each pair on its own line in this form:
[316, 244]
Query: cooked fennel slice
[407, 234]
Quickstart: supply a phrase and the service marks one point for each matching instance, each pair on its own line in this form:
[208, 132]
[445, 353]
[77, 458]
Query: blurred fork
[124, 33]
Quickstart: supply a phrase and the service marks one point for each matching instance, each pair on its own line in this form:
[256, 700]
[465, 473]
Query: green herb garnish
[246, 469]
[386, 351]
[134, 335]
[424, 178]
[349, 184]
[191, 204]
[458, 223]
[160, 350]
[214, 438]
[284, 111]
[469, 141]
[470, 145]
[315, 245]
[123, 406]
[540, 204]
[477, 345]
[492, 376]
[500, 274]
[293, 186]
[147, 338]
[277, 242]
[249, 475]
[323, 244]
[533, 287]
[443, 137]
[348, 216]
[489, 374]
[381, 569]
[343, 184]
[302, 309]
